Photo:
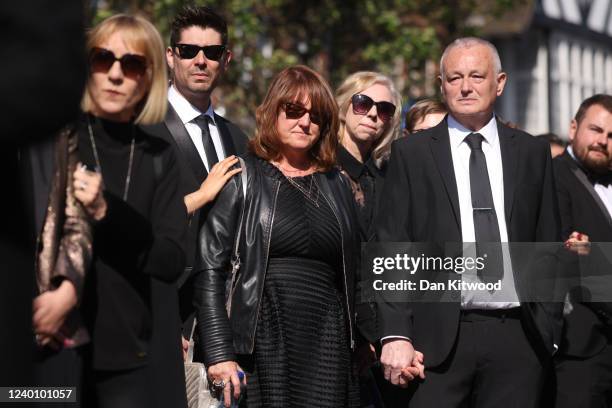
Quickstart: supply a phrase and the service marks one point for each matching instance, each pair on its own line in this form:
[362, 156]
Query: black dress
[302, 355]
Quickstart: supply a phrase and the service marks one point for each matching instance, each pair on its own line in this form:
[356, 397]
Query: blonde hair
[143, 36]
[359, 82]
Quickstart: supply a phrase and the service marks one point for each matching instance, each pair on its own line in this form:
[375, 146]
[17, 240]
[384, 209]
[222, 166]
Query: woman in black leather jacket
[291, 323]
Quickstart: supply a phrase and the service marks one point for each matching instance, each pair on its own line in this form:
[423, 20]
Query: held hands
[417, 369]
[88, 189]
[578, 243]
[214, 182]
[401, 363]
[49, 313]
[226, 374]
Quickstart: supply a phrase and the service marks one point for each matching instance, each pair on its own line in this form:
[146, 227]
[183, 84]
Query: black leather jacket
[222, 338]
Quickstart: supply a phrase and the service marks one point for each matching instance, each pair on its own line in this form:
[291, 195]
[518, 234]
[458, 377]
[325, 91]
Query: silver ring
[219, 385]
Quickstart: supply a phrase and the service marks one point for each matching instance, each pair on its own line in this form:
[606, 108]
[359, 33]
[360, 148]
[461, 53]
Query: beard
[596, 164]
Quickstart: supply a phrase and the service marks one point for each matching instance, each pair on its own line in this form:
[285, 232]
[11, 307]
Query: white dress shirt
[604, 192]
[460, 151]
[188, 113]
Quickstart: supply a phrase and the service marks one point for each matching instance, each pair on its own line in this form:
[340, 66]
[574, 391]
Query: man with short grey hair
[471, 179]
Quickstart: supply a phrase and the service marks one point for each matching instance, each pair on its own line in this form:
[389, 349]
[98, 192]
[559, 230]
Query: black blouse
[366, 182]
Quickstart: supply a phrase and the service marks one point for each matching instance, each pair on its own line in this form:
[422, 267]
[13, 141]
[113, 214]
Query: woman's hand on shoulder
[88, 189]
[217, 177]
[227, 374]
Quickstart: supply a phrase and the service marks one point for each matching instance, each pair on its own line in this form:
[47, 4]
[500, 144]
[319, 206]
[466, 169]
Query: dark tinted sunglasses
[189, 51]
[295, 111]
[363, 103]
[132, 65]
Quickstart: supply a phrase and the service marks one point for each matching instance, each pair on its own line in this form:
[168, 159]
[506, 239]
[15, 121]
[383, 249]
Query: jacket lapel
[440, 148]
[226, 136]
[185, 144]
[510, 157]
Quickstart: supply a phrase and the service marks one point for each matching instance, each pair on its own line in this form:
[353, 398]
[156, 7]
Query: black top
[366, 182]
[137, 243]
[304, 225]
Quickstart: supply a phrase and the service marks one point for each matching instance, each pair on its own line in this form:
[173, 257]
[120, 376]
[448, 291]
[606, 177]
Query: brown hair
[603, 100]
[420, 109]
[143, 36]
[290, 85]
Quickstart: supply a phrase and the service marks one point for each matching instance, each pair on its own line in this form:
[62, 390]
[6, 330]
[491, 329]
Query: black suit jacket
[192, 174]
[193, 171]
[421, 205]
[581, 210]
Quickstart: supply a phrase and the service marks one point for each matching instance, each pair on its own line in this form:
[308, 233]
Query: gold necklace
[285, 170]
[309, 194]
[128, 177]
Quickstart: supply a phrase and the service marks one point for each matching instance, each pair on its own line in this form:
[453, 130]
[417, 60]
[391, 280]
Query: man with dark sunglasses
[198, 56]
[471, 179]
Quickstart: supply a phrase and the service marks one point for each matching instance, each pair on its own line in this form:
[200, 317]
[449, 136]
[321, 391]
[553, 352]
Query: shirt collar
[570, 151]
[458, 132]
[184, 109]
[348, 162]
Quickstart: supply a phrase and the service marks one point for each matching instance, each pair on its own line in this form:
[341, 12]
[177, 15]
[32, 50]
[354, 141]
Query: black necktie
[486, 227]
[209, 147]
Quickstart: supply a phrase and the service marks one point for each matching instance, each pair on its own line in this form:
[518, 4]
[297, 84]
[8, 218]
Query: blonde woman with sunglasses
[127, 185]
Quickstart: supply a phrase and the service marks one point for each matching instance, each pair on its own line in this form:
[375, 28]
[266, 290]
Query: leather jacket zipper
[348, 307]
[263, 280]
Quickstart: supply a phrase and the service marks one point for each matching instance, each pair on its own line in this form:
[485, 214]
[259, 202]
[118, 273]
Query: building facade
[556, 54]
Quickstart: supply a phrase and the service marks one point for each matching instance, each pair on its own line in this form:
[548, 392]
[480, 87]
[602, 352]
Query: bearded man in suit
[584, 187]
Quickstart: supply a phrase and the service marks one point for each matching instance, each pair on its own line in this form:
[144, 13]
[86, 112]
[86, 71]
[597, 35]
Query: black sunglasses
[363, 103]
[295, 111]
[189, 51]
[132, 65]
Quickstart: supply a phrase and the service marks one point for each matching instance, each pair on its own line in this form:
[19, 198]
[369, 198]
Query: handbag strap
[243, 176]
[236, 253]
[191, 344]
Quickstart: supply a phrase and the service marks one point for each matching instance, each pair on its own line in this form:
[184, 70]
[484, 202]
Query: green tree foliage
[335, 37]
